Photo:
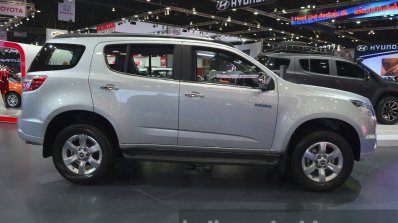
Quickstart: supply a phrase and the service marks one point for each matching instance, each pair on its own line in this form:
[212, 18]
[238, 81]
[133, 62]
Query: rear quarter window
[56, 56]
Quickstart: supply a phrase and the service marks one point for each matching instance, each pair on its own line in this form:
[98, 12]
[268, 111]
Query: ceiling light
[157, 17]
[255, 34]
[390, 18]
[278, 19]
[220, 28]
[38, 11]
[229, 19]
[255, 13]
[234, 9]
[302, 7]
[212, 16]
[248, 29]
[149, 12]
[313, 6]
[284, 11]
[258, 25]
[191, 23]
[308, 6]
[283, 32]
[194, 11]
[270, 29]
[245, 23]
[113, 9]
[148, 0]
[358, 22]
[333, 20]
[351, 33]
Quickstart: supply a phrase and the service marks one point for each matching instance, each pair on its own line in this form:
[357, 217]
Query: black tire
[384, 106]
[306, 142]
[107, 154]
[13, 100]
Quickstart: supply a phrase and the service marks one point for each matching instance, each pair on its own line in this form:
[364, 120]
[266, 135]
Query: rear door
[315, 72]
[128, 90]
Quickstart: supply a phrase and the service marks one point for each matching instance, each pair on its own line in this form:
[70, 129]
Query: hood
[392, 84]
[329, 92]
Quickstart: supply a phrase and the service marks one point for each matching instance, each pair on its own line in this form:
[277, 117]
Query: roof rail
[101, 35]
[301, 47]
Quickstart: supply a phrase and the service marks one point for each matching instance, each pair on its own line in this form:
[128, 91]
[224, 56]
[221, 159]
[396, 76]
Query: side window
[319, 66]
[144, 60]
[224, 68]
[305, 64]
[276, 63]
[345, 69]
[152, 61]
[115, 56]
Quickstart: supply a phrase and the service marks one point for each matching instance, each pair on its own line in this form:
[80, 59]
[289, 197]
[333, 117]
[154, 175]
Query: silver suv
[89, 99]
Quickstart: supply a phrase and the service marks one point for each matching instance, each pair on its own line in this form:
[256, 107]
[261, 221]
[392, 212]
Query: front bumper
[368, 146]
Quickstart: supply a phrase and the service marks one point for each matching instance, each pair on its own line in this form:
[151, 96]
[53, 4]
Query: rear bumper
[29, 138]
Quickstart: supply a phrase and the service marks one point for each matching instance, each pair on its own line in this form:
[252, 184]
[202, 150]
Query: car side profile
[338, 73]
[87, 102]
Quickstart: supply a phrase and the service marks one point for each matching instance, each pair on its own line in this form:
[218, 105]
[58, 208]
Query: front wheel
[322, 161]
[13, 100]
[82, 154]
[387, 111]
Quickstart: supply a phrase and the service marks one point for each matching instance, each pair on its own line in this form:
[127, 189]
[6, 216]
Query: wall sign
[66, 11]
[234, 4]
[12, 9]
[366, 10]
[106, 28]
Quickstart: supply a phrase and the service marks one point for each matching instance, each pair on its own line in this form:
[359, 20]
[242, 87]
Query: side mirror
[367, 75]
[264, 82]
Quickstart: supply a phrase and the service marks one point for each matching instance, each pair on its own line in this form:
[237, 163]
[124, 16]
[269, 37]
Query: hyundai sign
[222, 5]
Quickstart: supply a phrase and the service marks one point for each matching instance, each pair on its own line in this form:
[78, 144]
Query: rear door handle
[109, 87]
[194, 94]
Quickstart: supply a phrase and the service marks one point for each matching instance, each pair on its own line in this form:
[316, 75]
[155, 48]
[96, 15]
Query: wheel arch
[343, 128]
[67, 118]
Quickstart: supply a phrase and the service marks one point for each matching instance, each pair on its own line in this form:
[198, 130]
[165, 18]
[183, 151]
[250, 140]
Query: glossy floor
[32, 191]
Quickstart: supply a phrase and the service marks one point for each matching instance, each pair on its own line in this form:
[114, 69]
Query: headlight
[365, 106]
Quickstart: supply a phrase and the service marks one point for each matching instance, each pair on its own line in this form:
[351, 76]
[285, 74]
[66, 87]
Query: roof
[101, 35]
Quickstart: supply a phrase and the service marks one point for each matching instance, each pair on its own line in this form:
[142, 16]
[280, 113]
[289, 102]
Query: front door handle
[194, 94]
[109, 87]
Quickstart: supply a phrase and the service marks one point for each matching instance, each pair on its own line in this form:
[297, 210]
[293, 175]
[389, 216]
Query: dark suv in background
[338, 73]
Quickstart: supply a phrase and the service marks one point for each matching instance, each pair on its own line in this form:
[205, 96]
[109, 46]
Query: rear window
[55, 56]
[276, 63]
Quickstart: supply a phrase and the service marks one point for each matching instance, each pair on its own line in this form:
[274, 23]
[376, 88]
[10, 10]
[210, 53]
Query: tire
[13, 100]
[306, 156]
[88, 150]
[387, 111]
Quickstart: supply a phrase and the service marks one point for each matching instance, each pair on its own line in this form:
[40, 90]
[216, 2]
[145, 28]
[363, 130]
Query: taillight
[31, 83]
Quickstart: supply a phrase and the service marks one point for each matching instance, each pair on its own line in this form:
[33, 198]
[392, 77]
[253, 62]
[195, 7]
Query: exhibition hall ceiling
[315, 22]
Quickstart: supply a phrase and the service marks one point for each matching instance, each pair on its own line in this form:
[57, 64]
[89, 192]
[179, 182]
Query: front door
[222, 106]
[352, 78]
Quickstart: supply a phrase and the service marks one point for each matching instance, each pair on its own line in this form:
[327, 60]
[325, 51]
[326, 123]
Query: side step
[205, 158]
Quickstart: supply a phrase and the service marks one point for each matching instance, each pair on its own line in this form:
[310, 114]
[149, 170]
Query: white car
[86, 101]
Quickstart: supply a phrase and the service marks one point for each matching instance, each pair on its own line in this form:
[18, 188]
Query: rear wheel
[387, 111]
[82, 154]
[322, 161]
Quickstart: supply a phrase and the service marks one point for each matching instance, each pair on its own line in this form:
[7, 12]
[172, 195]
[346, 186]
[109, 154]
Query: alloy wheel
[12, 100]
[82, 154]
[390, 110]
[322, 162]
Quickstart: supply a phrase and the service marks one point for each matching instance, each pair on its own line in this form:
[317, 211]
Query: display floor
[31, 190]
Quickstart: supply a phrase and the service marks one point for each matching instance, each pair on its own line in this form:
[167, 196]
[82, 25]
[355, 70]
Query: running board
[217, 158]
